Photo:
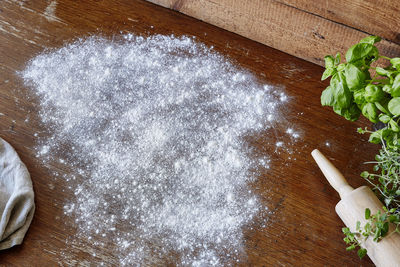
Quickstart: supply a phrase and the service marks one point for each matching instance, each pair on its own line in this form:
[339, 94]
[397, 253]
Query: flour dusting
[154, 129]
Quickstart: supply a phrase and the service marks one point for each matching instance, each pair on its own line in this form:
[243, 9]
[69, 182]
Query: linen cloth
[16, 197]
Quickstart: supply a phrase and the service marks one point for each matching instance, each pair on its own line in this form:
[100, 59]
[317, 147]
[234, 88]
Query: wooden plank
[371, 16]
[278, 25]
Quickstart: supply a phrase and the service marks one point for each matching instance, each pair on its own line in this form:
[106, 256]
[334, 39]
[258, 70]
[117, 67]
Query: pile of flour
[154, 129]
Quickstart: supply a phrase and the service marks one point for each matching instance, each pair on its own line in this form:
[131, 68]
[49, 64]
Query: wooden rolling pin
[351, 208]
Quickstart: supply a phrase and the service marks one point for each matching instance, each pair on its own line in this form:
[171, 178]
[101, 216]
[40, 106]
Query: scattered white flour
[154, 128]
[292, 133]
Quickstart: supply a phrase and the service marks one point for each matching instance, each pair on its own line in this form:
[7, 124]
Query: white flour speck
[292, 133]
[279, 144]
[283, 97]
[328, 144]
[154, 129]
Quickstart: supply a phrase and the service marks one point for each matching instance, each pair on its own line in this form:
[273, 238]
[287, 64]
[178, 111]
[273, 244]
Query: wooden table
[303, 229]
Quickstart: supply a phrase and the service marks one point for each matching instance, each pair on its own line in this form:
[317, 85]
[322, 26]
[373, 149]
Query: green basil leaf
[373, 93]
[395, 91]
[387, 88]
[367, 74]
[329, 62]
[359, 51]
[372, 55]
[370, 39]
[376, 137]
[394, 126]
[359, 96]
[337, 59]
[327, 73]
[383, 72]
[338, 110]
[395, 62]
[341, 91]
[396, 83]
[370, 111]
[355, 78]
[352, 113]
[341, 67]
[327, 97]
[384, 118]
[383, 105]
[394, 106]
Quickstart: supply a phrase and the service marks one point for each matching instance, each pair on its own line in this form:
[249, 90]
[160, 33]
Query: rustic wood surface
[371, 16]
[293, 27]
[302, 230]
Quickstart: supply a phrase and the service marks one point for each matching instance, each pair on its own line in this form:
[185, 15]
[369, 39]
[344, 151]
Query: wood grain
[302, 228]
[374, 17]
[279, 25]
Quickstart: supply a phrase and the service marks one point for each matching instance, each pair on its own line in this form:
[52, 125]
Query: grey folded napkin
[16, 197]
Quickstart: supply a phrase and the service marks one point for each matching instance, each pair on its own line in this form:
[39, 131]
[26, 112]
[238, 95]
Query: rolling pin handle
[333, 175]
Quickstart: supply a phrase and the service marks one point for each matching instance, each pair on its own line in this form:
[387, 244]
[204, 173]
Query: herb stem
[388, 58]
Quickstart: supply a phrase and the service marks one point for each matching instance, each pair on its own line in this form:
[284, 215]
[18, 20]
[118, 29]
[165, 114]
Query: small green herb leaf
[384, 118]
[395, 62]
[387, 88]
[352, 113]
[364, 174]
[329, 62]
[385, 228]
[394, 106]
[370, 111]
[341, 91]
[337, 59]
[367, 213]
[382, 105]
[383, 72]
[365, 51]
[359, 96]
[394, 126]
[327, 97]
[393, 218]
[370, 39]
[376, 137]
[396, 86]
[362, 252]
[327, 73]
[373, 93]
[355, 78]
